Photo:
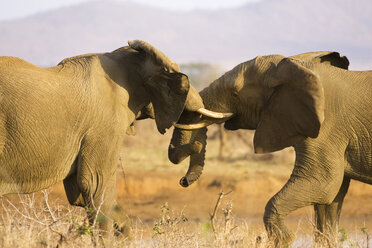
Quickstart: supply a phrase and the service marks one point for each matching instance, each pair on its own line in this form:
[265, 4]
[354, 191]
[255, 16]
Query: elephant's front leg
[306, 186]
[100, 206]
[327, 217]
[96, 179]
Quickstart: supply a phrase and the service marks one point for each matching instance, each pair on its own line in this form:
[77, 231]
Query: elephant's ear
[294, 111]
[326, 57]
[168, 92]
[333, 58]
[146, 112]
[166, 85]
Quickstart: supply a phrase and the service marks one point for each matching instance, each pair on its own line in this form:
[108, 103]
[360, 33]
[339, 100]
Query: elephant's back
[19, 78]
[13, 65]
[10, 61]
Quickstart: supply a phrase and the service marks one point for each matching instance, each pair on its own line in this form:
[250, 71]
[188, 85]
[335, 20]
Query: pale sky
[12, 9]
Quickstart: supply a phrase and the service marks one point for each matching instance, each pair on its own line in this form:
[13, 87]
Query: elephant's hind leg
[327, 217]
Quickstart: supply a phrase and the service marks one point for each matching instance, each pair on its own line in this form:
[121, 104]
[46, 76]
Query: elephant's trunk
[196, 160]
[177, 154]
[182, 145]
[195, 169]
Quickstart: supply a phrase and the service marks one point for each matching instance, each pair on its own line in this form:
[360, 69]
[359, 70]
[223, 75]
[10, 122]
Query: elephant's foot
[122, 223]
[327, 239]
[278, 234]
[119, 230]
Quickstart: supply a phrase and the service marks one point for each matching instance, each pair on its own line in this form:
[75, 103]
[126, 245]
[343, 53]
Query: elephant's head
[279, 97]
[169, 90]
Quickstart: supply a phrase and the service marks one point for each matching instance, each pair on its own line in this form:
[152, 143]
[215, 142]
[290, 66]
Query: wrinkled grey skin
[68, 122]
[321, 110]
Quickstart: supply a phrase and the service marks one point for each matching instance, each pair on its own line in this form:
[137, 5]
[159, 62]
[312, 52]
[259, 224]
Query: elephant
[67, 122]
[310, 102]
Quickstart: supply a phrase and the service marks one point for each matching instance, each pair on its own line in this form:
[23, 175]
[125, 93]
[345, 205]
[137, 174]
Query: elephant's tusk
[213, 114]
[194, 126]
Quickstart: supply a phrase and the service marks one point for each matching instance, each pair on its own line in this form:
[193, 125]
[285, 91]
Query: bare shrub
[35, 222]
[172, 230]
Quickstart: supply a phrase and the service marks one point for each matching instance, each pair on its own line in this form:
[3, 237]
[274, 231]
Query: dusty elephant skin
[68, 122]
[309, 101]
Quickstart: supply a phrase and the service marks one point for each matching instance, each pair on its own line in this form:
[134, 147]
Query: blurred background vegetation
[201, 74]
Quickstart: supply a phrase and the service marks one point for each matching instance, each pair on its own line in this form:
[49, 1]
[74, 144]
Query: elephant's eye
[235, 93]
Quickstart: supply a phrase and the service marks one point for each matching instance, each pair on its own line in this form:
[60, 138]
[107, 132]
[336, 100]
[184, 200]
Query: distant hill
[227, 36]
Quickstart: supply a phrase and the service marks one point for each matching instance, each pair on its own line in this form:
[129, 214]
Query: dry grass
[165, 215]
[35, 222]
[29, 222]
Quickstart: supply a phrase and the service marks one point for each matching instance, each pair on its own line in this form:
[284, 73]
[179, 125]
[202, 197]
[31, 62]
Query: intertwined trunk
[186, 143]
[192, 143]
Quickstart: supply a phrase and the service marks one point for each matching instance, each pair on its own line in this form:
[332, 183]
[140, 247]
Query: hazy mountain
[227, 36]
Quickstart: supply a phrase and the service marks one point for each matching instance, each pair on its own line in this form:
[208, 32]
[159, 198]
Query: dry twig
[213, 215]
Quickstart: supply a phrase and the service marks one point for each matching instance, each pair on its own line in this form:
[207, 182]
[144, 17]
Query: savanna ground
[163, 214]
